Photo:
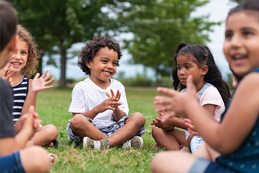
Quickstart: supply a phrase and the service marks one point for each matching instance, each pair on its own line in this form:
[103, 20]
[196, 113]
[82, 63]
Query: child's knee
[156, 131]
[51, 131]
[77, 121]
[156, 163]
[35, 159]
[140, 119]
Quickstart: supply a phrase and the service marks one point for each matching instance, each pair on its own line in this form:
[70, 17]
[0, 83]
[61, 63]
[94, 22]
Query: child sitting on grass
[23, 64]
[213, 94]
[99, 104]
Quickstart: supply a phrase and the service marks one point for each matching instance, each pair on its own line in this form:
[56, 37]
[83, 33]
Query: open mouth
[108, 72]
[16, 63]
[239, 59]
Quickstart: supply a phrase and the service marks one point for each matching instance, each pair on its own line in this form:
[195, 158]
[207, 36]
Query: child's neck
[16, 78]
[200, 85]
[102, 84]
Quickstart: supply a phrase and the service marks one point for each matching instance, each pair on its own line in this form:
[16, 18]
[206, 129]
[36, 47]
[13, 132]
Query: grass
[52, 106]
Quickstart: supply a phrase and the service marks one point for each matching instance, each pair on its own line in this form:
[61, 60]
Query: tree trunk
[63, 61]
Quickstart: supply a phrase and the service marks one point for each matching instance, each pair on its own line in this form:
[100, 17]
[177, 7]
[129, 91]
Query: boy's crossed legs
[81, 127]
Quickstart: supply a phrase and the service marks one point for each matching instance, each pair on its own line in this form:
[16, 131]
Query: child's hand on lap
[163, 121]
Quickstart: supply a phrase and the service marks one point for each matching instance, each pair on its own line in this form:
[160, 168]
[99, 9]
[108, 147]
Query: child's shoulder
[117, 83]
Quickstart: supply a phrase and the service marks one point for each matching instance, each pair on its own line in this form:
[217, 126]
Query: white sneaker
[136, 142]
[101, 144]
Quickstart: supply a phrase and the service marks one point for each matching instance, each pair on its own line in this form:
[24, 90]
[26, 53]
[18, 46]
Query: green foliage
[52, 106]
[159, 26]
[57, 24]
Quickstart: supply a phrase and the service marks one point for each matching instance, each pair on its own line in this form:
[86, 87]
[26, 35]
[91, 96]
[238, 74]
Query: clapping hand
[111, 103]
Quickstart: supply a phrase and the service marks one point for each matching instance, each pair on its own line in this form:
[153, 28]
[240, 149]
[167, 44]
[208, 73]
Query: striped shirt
[20, 92]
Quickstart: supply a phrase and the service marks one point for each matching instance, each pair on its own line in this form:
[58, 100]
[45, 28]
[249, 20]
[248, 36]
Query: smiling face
[241, 46]
[20, 56]
[186, 66]
[103, 66]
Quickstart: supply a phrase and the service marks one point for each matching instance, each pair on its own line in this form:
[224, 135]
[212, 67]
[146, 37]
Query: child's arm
[109, 104]
[36, 85]
[227, 136]
[117, 113]
[10, 145]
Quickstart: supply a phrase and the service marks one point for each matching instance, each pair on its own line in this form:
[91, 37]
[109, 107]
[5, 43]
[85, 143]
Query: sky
[217, 10]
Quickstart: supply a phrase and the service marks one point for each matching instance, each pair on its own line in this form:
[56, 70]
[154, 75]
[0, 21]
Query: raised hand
[176, 101]
[42, 82]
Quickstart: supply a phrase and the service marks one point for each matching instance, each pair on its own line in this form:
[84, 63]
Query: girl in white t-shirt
[195, 60]
[99, 104]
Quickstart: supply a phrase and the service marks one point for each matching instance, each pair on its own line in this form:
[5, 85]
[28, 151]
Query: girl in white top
[195, 60]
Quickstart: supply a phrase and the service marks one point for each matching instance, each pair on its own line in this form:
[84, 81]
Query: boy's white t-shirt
[86, 95]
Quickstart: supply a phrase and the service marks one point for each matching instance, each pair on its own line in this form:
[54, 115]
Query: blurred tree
[57, 24]
[237, 1]
[158, 27]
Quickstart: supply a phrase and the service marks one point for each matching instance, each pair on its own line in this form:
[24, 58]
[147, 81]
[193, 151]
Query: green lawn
[52, 106]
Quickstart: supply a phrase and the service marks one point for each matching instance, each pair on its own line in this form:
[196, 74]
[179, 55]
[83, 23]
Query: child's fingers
[49, 81]
[187, 120]
[45, 74]
[36, 76]
[190, 86]
[47, 77]
[159, 100]
[118, 95]
[112, 92]
[108, 95]
[167, 91]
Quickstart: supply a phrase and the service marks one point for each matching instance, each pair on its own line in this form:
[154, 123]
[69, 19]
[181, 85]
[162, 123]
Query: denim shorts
[107, 131]
[207, 166]
[11, 163]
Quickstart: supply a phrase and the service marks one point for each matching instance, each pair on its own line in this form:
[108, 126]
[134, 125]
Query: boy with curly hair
[99, 104]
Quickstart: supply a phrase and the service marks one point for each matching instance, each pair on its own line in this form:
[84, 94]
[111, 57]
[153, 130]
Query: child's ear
[205, 70]
[89, 64]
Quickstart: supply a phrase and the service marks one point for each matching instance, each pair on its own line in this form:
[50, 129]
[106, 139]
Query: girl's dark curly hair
[32, 60]
[202, 56]
[92, 47]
